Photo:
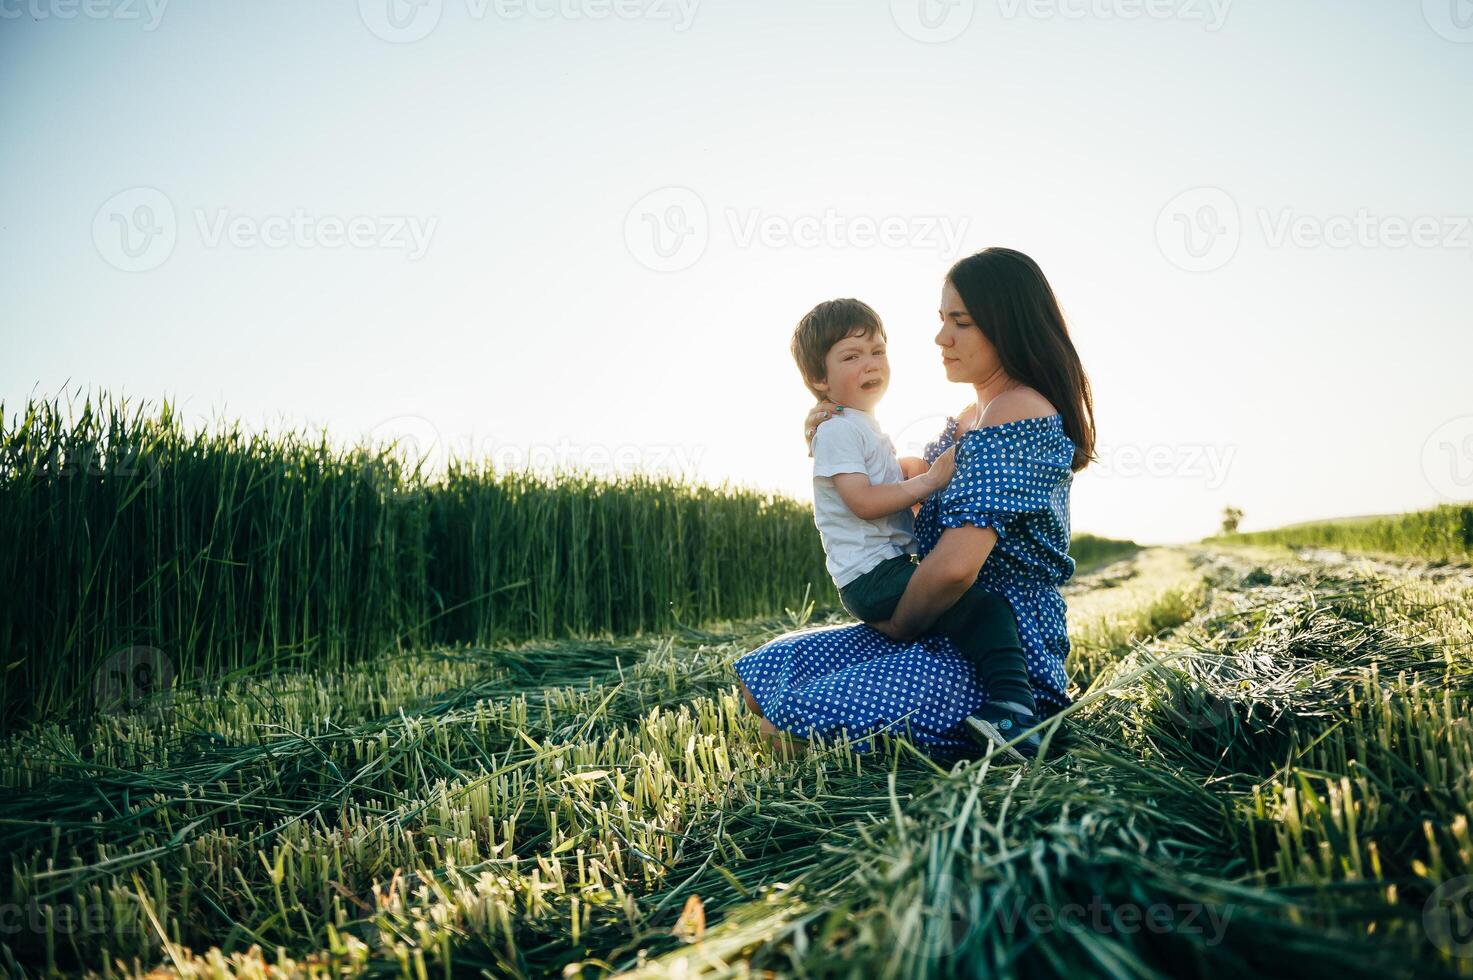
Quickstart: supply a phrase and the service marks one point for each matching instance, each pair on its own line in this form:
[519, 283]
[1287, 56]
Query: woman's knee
[751, 701]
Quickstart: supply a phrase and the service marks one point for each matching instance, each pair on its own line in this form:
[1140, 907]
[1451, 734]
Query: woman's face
[968, 356]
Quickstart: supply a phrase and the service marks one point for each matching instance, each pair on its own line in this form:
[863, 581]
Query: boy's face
[857, 372]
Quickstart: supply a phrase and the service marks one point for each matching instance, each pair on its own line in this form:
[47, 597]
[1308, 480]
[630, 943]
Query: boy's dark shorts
[873, 596]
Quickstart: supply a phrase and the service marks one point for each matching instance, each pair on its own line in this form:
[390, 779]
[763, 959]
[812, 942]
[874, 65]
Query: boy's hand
[942, 470]
[816, 416]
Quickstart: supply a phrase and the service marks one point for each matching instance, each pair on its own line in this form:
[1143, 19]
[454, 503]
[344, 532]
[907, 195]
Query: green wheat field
[274, 708]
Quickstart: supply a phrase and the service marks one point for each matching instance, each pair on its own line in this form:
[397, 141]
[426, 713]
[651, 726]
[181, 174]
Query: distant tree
[1230, 518]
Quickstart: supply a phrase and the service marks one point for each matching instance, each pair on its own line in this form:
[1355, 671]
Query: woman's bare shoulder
[1018, 403]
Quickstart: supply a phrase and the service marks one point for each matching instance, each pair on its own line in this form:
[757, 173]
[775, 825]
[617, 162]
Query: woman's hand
[821, 412]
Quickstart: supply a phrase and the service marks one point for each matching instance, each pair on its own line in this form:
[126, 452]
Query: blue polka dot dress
[853, 680]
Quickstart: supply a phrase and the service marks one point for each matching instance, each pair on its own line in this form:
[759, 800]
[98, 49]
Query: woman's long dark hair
[1011, 302]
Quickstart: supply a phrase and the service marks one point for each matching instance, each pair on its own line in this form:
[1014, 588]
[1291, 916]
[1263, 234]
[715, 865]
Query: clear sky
[584, 229]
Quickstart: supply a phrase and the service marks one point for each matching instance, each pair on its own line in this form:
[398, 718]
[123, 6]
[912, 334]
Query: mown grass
[1443, 533]
[1268, 771]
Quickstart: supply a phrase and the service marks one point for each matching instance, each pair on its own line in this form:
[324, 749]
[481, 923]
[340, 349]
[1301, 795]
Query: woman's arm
[944, 574]
[952, 566]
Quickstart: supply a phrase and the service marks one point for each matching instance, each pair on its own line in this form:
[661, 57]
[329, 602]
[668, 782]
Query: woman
[1002, 523]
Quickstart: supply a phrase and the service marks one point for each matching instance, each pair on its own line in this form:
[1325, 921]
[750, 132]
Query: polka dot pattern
[853, 680]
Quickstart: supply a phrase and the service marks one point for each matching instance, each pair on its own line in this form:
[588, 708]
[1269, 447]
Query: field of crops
[1443, 533]
[1269, 771]
[133, 541]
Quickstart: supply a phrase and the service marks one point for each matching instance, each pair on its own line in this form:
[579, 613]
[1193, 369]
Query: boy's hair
[823, 327]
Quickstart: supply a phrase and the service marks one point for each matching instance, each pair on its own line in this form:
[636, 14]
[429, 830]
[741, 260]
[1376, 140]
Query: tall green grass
[1089, 550]
[1445, 533]
[224, 550]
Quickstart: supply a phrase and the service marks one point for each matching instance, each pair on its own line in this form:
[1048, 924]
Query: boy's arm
[869, 501]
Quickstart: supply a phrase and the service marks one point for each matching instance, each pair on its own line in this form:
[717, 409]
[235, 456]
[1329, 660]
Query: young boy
[862, 504]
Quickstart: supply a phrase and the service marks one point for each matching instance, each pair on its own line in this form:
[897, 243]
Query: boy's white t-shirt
[853, 443]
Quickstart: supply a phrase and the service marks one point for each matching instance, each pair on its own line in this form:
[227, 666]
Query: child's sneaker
[993, 726]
